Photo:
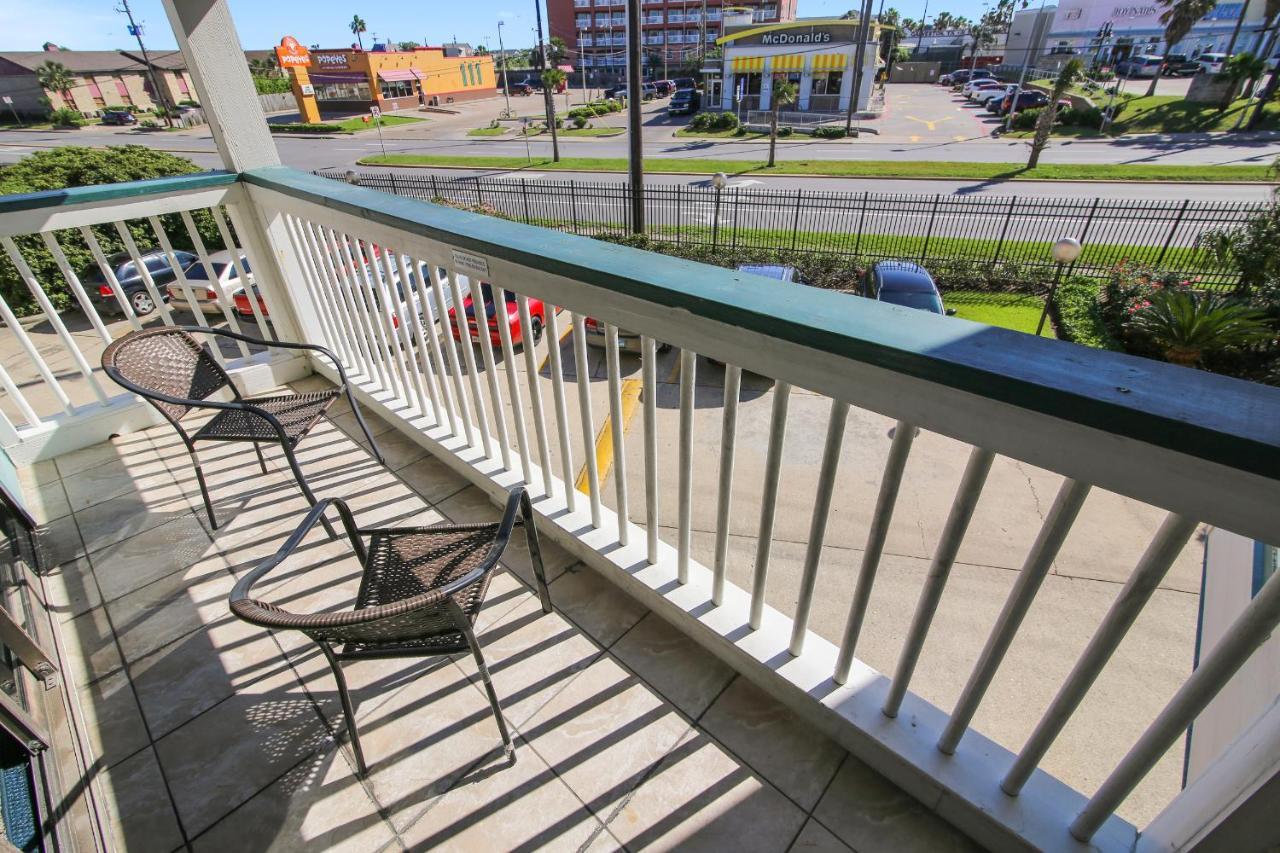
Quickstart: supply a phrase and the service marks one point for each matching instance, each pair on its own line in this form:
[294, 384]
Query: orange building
[351, 81]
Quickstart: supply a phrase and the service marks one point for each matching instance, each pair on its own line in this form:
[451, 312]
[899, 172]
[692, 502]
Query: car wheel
[142, 303]
[536, 325]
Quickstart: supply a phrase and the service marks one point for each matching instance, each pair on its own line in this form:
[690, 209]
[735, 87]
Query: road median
[848, 168]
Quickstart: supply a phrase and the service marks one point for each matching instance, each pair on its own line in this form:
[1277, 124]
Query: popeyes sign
[291, 54]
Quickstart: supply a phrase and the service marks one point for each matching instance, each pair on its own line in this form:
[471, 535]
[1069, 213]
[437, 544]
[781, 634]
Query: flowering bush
[1130, 290]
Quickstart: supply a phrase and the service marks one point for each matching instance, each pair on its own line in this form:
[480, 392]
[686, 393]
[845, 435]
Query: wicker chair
[171, 370]
[419, 595]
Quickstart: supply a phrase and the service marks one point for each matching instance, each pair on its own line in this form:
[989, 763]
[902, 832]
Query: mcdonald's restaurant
[818, 54]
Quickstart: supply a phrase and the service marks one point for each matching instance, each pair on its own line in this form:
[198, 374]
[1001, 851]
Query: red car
[537, 318]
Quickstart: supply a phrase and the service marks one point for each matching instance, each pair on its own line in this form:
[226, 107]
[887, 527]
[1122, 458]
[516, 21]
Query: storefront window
[343, 91]
[752, 83]
[479, 74]
[397, 89]
[827, 82]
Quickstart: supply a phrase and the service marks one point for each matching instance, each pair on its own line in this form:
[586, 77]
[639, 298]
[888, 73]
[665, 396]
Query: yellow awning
[830, 61]
[747, 64]
[789, 62]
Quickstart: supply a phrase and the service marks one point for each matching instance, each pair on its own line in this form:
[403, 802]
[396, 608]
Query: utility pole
[859, 57]
[1235, 33]
[920, 36]
[547, 96]
[136, 32]
[506, 89]
[634, 117]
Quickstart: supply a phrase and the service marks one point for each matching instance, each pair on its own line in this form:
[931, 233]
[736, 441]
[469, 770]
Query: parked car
[975, 86]
[1179, 65]
[131, 283]
[119, 117]
[903, 283]
[984, 97]
[685, 83]
[647, 91]
[521, 87]
[664, 87]
[1140, 66]
[685, 101]
[965, 75]
[1027, 100]
[202, 289]
[1211, 63]
[537, 318]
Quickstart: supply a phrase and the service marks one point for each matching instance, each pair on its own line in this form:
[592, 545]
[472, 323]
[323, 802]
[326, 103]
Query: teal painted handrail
[114, 192]
[1202, 415]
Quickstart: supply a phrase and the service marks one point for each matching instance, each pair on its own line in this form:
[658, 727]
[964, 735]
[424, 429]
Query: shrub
[742, 131]
[1026, 120]
[1186, 325]
[829, 132]
[1079, 317]
[579, 121]
[149, 124]
[614, 106]
[785, 130]
[701, 121]
[1090, 117]
[301, 127]
[724, 121]
[272, 85]
[66, 117]
[75, 166]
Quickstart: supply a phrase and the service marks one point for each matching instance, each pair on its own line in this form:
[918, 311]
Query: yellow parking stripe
[631, 389]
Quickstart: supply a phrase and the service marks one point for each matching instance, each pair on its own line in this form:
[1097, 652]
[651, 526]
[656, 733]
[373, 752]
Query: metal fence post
[715, 222]
[862, 218]
[737, 203]
[524, 195]
[928, 234]
[573, 204]
[1008, 217]
[395, 189]
[479, 198]
[795, 226]
[1173, 231]
[1084, 232]
[435, 188]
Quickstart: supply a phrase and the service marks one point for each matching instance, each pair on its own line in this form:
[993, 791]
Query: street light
[1065, 251]
[719, 180]
[502, 55]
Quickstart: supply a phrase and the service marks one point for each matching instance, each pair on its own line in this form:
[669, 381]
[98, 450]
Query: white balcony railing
[1201, 447]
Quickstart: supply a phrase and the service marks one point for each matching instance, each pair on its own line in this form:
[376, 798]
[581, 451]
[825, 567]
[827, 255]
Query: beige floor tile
[148, 556]
[594, 604]
[816, 838]
[868, 812]
[318, 805]
[89, 646]
[38, 474]
[113, 723]
[138, 807]
[347, 421]
[59, 541]
[135, 445]
[397, 448]
[701, 798]
[121, 476]
[531, 656]
[603, 733]
[497, 806]
[227, 755]
[71, 589]
[46, 501]
[781, 747]
[682, 671]
[432, 479]
[116, 519]
[174, 605]
[190, 675]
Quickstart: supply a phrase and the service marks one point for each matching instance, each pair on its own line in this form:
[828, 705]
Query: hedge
[272, 85]
[299, 127]
[1079, 317]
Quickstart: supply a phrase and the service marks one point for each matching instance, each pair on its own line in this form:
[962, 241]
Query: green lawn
[849, 168]
[1017, 311]
[1164, 113]
[719, 134]
[593, 131]
[487, 131]
[357, 123]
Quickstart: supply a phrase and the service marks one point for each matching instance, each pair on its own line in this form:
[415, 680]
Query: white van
[1211, 63]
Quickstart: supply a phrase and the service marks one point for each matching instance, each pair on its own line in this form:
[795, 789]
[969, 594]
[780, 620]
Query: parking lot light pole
[1064, 252]
[718, 180]
[502, 54]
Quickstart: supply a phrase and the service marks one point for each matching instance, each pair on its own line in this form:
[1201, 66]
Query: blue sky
[93, 25]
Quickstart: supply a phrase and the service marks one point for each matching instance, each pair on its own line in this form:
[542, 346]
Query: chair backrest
[164, 361]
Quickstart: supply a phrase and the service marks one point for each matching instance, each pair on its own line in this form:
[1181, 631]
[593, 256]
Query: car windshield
[913, 299]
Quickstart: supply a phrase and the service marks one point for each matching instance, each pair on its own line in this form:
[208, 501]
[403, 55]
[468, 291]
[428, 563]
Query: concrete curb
[839, 177]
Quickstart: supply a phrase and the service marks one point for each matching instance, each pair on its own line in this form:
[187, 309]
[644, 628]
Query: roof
[92, 61]
[904, 276]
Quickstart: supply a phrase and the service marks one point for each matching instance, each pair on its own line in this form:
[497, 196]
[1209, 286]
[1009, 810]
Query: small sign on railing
[470, 263]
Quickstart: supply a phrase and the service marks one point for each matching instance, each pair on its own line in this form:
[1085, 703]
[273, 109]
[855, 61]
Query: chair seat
[297, 414]
[405, 563]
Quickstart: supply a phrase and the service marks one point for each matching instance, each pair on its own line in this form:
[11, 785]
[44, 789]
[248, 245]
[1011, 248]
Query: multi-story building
[676, 32]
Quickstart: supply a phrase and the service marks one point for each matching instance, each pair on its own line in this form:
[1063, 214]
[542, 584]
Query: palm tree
[357, 27]
[1178, 19]
[56, 77]
[1247, 67]
[784, 92]
[1049, 114]
[1187, 325]
[944, 21]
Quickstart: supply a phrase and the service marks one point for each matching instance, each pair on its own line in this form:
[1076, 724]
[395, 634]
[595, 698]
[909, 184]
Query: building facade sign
[793, 36]
[291, 54]
[816, 37]
[331, 61]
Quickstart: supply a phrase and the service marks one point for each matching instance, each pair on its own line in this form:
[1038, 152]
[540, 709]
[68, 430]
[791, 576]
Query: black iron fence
[939, 229]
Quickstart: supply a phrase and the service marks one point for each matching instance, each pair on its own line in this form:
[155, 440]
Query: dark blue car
[903, 283]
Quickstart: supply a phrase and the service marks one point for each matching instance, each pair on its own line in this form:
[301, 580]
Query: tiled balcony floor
[211, 734]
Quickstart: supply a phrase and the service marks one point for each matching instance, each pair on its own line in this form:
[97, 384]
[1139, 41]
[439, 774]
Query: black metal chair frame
[237, 403]
[347, 627]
